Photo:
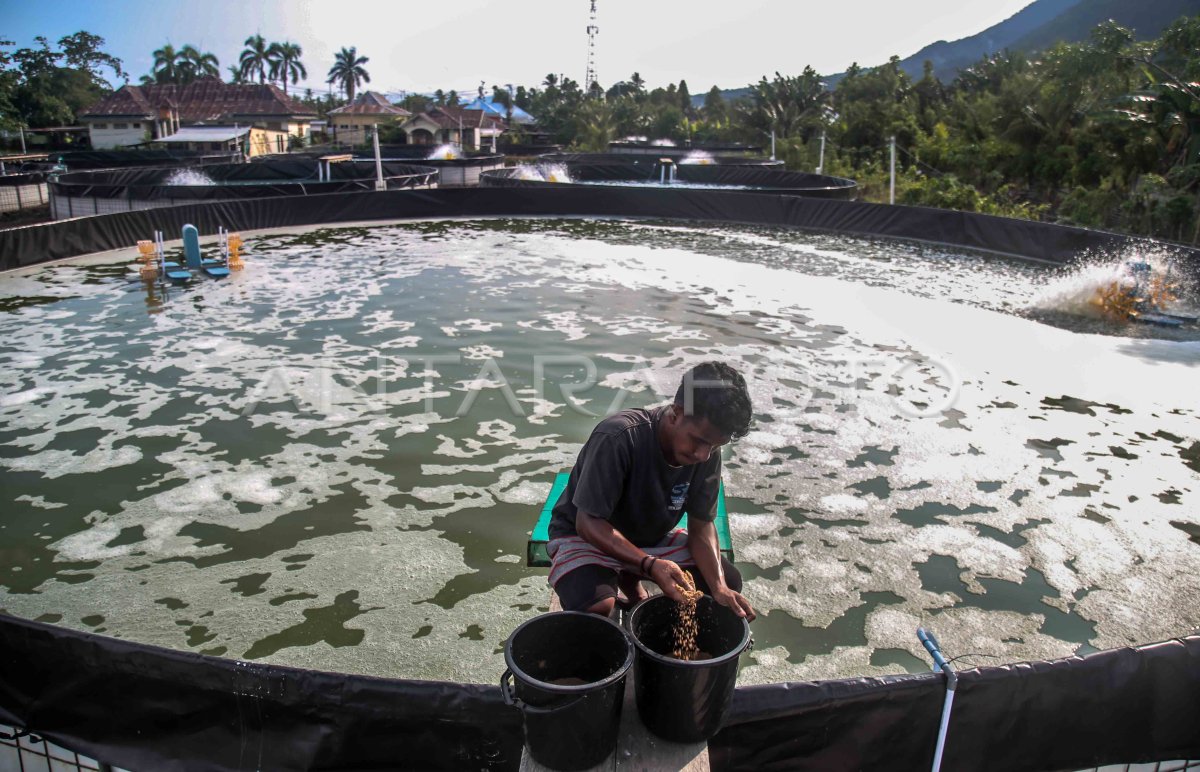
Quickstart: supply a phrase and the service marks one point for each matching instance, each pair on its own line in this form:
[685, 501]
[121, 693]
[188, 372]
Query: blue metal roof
[497, 109]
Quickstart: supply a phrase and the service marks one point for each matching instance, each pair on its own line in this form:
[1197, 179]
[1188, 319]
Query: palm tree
[197, 65]
[235, 74]
[786, 105]
[255, 58]
[348, 72]
[167, 62]
[285, 63]
[596, 125]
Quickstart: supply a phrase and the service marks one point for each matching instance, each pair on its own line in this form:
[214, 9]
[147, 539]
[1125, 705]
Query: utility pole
[821, 160]
[892, 194]
[592, 31]
[772, 144]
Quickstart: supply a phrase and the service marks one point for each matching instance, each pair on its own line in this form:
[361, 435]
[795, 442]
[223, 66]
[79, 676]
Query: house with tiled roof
[133, 115]
[352, 123]
[469, 129]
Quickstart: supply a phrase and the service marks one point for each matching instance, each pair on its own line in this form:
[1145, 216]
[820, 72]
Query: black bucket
[678, 700]
[569, 725]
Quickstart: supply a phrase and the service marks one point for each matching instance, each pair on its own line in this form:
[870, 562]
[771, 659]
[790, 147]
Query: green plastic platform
[535, 551]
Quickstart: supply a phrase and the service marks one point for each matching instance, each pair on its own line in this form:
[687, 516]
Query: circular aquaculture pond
[333, 458]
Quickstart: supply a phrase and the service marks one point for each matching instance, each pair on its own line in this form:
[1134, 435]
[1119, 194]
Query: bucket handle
[506, 691]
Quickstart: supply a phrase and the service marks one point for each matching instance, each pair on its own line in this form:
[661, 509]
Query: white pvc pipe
[942, 727]
[379, 184]
[892, 194]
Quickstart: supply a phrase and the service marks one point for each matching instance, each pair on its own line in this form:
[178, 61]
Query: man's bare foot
[631, 585]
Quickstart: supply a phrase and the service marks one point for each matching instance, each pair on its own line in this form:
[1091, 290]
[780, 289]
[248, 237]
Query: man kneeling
[640, 470]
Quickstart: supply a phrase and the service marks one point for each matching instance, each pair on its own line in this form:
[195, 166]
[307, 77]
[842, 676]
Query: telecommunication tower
[592, 31]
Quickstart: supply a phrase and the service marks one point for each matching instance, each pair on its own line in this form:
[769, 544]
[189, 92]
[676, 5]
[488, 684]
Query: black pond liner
[146, 707]
[650, 160]
[686, 701]
[410, 154]
[81, 160]
[295, 177]
[732, 178]
[716, 148]
[568, 726]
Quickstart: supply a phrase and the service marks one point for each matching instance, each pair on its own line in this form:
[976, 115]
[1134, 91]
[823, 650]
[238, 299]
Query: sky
[422, 47]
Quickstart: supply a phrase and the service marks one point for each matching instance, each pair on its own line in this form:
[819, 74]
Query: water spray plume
[447, 152]
[189, 177]
[543, 173]
[1118, 290]
[698, 157]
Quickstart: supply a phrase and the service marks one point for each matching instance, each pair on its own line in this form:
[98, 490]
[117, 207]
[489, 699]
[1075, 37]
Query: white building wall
[110, 138]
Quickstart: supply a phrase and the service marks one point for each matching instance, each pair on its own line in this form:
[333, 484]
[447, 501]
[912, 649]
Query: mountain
[948, 58]
[1147, 19]
[1037, 26]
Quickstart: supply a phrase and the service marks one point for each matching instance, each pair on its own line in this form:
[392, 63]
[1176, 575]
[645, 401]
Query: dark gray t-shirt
[621, 476]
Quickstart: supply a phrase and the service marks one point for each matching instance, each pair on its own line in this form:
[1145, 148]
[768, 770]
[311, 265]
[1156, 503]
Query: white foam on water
[539, 410]
[967, 630]
[481, 351]
[40, 502]
[406, 341]
[59, 463]
[843, 504]
[566, 323]
[821, 354]
[23, 397]
[450, 447]
[525, 492]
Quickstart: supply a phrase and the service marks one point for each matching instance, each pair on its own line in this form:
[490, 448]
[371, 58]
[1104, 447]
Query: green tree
[286, 64]
[874, 104]
[685, 99]
[348, 72]
[82, 51]
[595, 127]
[789, 106]
[255, 58]
[418, 103]
[502, 97]
[715, 108]
[168, 63]
[46, 86]
[521, 98]
[182, 66]
[196, 64]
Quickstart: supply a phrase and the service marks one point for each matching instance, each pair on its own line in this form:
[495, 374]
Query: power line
[919, 162]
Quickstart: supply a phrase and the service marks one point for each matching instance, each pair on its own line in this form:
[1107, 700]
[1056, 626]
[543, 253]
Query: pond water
[333, 458]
